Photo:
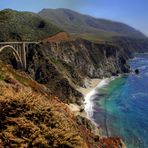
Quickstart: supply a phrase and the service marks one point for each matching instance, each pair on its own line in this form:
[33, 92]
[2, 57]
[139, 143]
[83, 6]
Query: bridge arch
[15, 53]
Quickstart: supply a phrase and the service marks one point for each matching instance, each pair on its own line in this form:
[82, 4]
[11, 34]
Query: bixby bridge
[19, 49]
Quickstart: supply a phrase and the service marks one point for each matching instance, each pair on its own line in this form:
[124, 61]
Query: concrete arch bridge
[19, 49]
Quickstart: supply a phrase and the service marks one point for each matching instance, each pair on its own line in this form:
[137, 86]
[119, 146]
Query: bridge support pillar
[20, 51]
[24, 56]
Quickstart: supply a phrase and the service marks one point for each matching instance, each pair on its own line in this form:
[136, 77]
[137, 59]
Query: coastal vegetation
[24, 26]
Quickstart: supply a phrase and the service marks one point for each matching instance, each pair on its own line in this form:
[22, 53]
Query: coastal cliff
[65, 65]
[30, 116]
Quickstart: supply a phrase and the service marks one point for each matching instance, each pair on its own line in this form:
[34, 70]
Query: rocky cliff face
[48, 71]
[90, 59]
[64, 65]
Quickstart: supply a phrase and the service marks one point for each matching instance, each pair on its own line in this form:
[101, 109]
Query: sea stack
[136, 71]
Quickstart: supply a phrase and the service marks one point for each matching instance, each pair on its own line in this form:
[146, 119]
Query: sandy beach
[92, 83]
[79, 110]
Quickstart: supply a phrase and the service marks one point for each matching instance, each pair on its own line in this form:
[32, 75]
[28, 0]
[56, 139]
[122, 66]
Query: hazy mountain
[24, 26]
[87, 26]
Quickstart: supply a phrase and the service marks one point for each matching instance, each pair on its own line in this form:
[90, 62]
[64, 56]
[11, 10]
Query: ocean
[119, 106]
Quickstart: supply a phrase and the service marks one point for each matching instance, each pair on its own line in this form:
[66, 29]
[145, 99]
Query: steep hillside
[31, 117]
[24, 26]
[85, 25]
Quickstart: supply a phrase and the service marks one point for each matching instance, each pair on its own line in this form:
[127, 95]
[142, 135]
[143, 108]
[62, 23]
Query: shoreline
[81, 110]
[92, 84]
[88, 92]
[86, 109]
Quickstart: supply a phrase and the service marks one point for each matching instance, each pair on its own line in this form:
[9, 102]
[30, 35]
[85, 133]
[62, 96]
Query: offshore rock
[137, 71]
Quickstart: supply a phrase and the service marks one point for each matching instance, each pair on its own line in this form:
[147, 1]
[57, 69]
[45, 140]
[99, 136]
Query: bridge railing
[4, 43]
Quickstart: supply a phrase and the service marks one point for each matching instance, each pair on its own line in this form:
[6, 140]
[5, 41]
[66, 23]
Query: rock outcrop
[92, 60]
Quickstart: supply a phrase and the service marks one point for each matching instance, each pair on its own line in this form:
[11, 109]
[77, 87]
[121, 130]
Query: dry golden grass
[29, 119]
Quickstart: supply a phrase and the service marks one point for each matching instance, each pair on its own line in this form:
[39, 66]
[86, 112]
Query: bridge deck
[4, 43]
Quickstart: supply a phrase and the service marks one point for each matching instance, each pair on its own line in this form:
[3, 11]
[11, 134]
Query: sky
[131, 12]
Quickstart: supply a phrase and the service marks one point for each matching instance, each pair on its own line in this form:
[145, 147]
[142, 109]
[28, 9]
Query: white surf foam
[89, 105]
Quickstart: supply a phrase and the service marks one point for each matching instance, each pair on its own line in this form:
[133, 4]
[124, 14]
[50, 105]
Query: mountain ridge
[67, 19]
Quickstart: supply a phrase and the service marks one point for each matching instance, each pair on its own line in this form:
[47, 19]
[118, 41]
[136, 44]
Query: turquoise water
[121, 108]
